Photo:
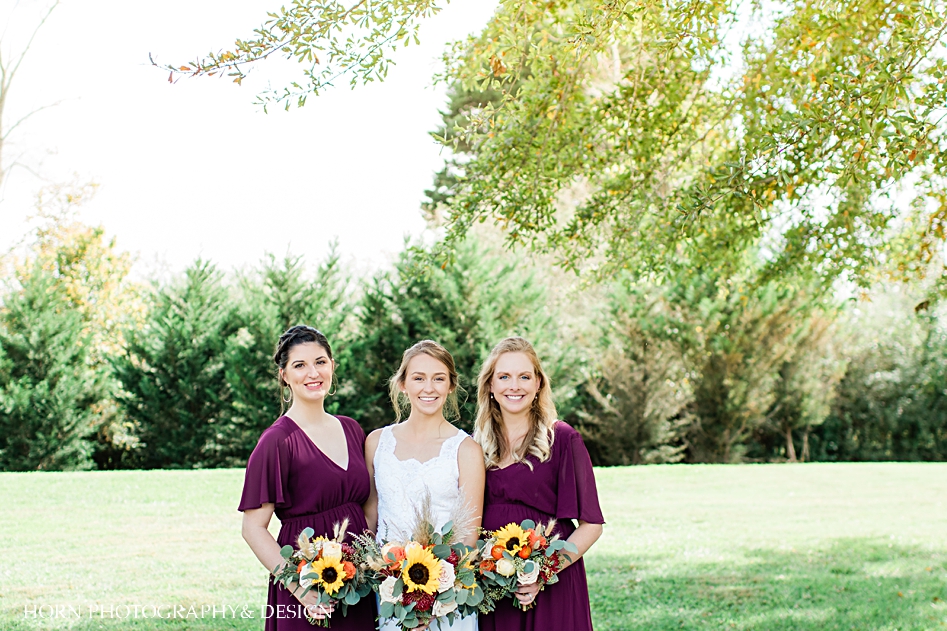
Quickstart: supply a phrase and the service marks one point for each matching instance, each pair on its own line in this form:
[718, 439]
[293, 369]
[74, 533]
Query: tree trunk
[790, 448]
[805, 445]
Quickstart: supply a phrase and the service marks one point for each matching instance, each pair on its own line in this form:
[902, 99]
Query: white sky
[195, 169]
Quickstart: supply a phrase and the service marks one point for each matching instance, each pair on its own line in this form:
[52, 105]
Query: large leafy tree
[630, 135]
[655, 135]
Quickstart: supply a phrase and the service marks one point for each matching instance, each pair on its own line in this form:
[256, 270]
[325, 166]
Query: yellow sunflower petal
[421, 570]
[512, 538]
[331, 574]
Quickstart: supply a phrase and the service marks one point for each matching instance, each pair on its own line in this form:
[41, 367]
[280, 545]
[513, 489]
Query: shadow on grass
[854, 584]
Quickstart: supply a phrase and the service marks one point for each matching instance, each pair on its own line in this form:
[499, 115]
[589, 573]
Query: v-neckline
[509, 466]
[345, 437]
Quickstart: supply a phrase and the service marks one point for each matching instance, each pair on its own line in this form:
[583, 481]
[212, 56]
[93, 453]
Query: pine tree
[278, 295]
[172, 372]
[49, 394]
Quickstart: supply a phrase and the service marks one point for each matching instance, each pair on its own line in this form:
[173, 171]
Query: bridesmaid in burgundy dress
[537, 468]
[308, 468]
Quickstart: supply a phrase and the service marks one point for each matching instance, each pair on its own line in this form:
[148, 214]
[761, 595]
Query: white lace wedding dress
[402, 483]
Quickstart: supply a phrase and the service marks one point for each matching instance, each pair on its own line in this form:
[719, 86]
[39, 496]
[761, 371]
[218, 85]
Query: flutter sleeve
[577, 496]
[267, 477]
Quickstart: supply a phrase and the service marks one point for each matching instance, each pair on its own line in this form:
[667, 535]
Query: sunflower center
[329, 575]
[418, 574]
[512, 543]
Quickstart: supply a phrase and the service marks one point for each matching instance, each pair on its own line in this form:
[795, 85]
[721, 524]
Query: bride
[424, 456]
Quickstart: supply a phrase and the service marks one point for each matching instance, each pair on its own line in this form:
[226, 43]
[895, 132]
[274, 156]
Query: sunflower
[512, 538]
[421, 570]
[331, 574]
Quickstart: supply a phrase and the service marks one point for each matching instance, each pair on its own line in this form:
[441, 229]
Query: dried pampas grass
[462, 518]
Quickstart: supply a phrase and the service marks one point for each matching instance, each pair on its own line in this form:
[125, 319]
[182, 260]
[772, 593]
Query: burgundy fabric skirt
[283, 612]
[562, 605]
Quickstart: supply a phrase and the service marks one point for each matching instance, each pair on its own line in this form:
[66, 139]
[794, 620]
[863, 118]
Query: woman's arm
[370, 507]
[471, 481]
[255, 533]
[583, 538]
[264, 546]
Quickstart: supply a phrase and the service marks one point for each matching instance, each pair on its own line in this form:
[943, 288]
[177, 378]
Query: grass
[769, 547]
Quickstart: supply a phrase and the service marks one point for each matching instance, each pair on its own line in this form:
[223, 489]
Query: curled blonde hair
[488, 428]
[400, 402]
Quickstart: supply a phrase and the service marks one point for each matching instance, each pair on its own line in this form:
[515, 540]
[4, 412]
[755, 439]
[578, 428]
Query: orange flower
[394, 551]
[349, 569]
[524, 552]
[299, 568]
[536, 540]
[497, 552]
[487, 565]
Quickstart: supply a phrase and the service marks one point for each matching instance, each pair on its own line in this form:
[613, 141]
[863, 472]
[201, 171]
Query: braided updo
[294, 336]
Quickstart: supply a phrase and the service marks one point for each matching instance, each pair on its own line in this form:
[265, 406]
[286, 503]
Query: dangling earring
[330, 392]
[283, 390]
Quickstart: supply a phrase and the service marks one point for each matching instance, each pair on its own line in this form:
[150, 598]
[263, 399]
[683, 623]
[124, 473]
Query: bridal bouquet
[430, 575]
[520, 555]
[328, 567]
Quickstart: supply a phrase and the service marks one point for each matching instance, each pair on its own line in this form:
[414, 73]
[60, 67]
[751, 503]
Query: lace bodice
[402, 483]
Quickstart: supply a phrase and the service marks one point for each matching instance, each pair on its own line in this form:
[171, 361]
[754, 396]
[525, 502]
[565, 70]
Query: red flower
[453, 559]
[424, 601]
[547, 571]
[348, 550]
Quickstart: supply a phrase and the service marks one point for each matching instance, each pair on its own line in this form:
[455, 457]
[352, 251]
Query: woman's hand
[315, 609]
[527, 594]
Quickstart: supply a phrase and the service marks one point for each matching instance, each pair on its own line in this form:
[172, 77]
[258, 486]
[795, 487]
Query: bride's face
[427, 384]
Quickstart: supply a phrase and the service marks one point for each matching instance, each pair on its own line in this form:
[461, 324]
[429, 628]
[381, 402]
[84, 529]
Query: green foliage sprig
[328, 39]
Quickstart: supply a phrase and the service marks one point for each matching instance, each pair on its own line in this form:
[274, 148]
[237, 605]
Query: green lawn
[801, 547]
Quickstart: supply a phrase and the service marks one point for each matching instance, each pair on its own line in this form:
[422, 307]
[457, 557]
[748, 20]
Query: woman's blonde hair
[400, 402]
[488, 428]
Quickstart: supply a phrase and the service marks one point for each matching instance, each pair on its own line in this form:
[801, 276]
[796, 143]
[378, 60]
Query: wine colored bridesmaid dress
[562, 488]
[308, 489]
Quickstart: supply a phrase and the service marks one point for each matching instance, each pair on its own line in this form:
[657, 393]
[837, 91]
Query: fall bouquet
[429, 575]
[520, 555]
[329, 567]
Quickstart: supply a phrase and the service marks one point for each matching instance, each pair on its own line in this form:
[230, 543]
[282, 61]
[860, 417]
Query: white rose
[446, 580]
[386, 591]
[305, 582]
[332, 550]
[528, 578]
[442, 609]
[505, 567]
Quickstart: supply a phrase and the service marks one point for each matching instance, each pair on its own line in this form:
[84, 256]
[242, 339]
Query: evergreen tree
[172, 372]
[278, 295]
[49, 394]
[635, 411]
[891, 403]
[467, 307]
